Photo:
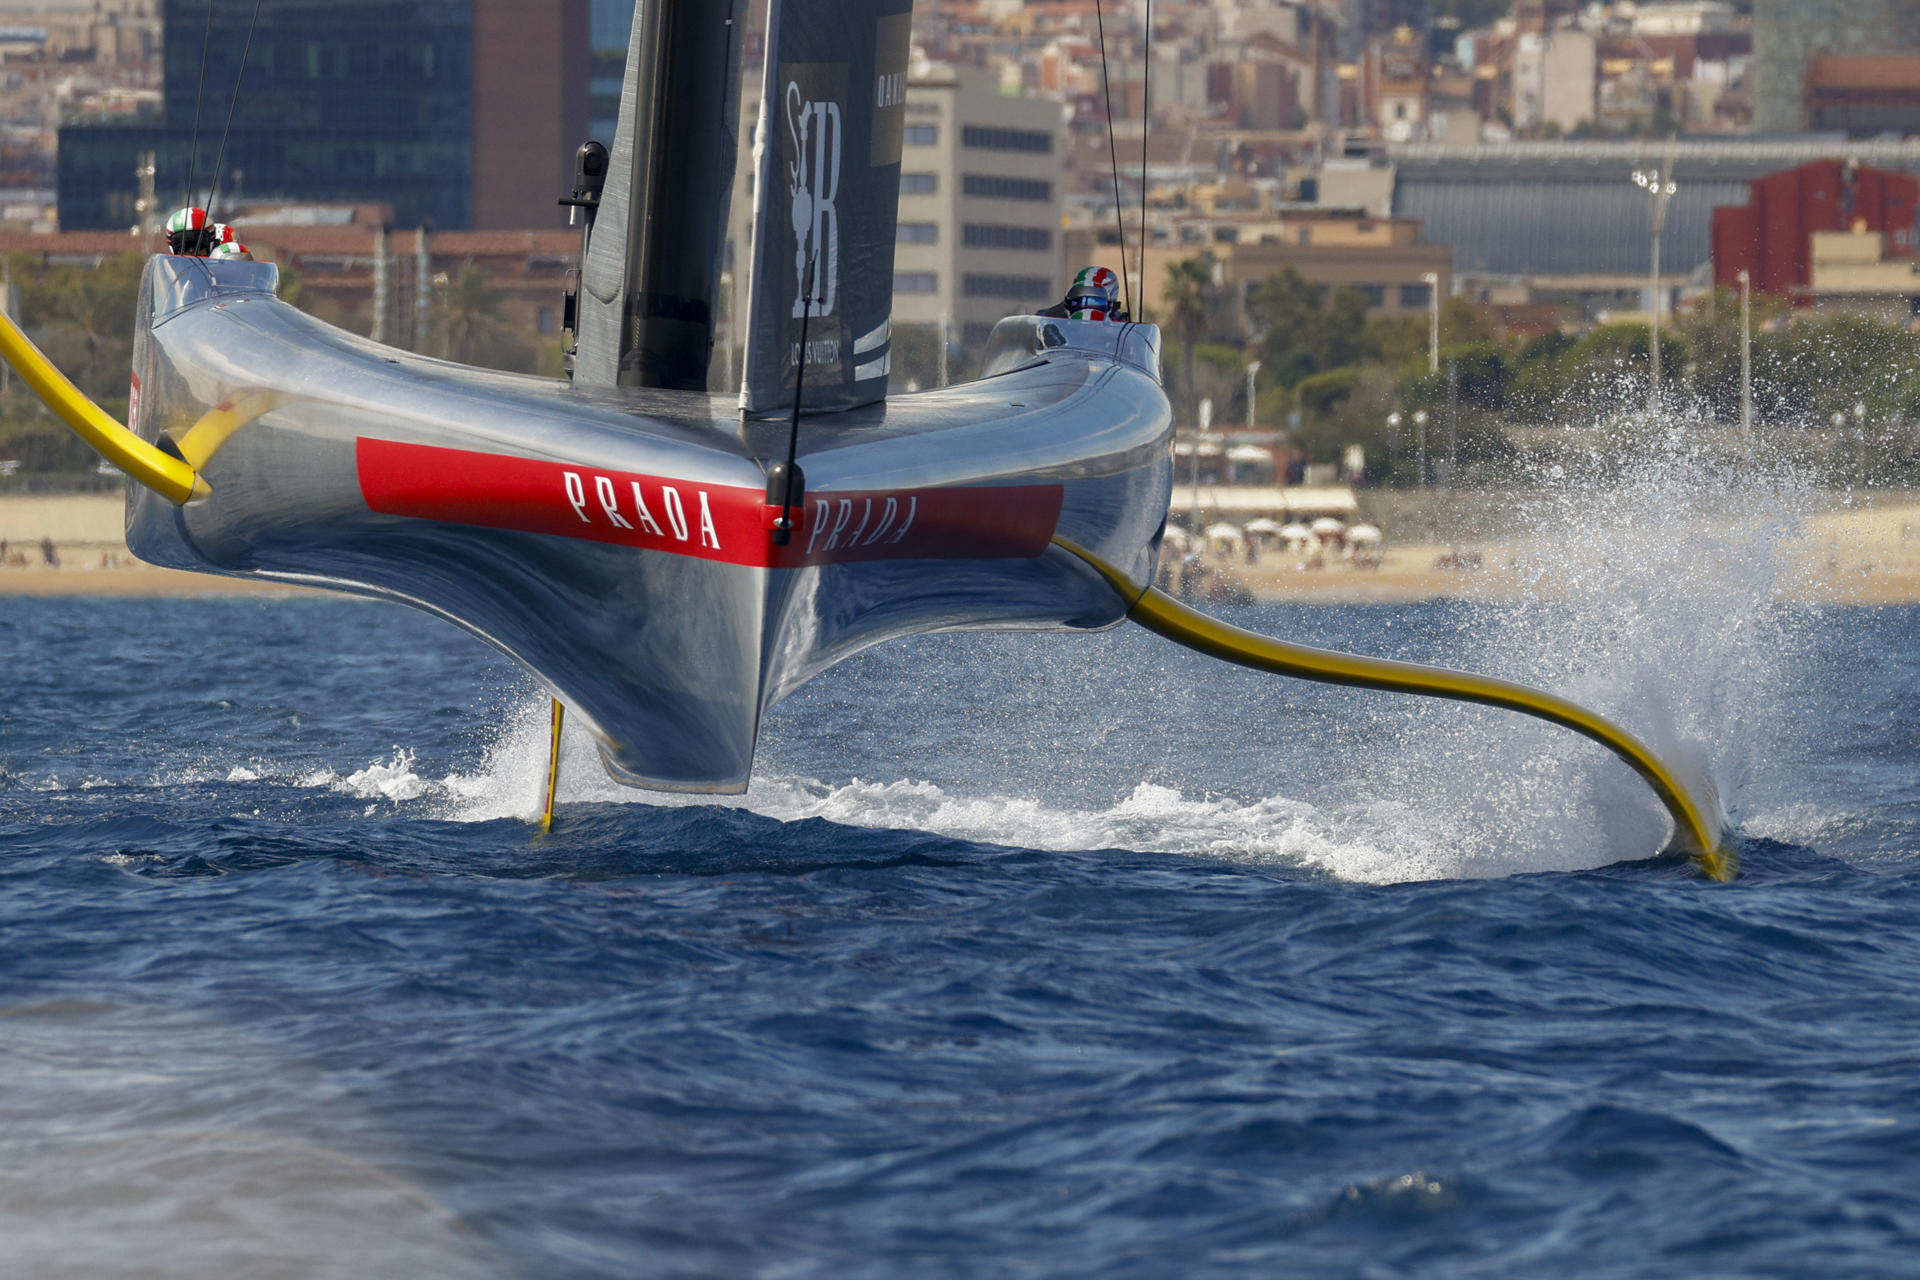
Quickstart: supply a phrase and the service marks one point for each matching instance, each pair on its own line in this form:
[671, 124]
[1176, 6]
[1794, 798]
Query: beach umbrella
[1295, 532]
[1363, 533]
[1327, 526]
[1224, 533]
[1262, 524]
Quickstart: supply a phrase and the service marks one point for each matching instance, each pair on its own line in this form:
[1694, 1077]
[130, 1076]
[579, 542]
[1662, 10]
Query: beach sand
[1869, 556]
[1862, 556]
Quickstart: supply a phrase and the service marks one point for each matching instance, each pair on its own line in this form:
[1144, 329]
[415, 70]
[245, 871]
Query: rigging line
[783, 527]
[1146, 126]
[238, 78]
[1113, 151]
[193, 151]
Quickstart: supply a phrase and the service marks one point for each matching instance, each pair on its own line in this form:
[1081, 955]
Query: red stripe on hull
[725, 523]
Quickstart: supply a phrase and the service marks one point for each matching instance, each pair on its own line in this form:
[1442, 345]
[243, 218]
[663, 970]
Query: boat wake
[1648, 599]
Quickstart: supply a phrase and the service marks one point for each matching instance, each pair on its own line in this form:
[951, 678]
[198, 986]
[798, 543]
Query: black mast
[651, 281]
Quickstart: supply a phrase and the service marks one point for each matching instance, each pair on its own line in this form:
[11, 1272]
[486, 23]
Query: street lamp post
[1253, 367]
[1660, 187]
[1393, 438]
[1746, 356]
[1432, 279]
[1420, 443]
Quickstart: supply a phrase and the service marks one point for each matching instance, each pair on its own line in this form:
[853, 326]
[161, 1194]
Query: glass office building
[342, 100]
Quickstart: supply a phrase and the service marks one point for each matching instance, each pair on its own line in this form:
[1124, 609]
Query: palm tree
[467, 327]
[1185, 305]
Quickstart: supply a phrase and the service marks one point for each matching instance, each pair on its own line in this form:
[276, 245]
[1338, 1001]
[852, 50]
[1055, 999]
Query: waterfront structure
[337, 252]
[464, 113]
[1385, 260]
[1823, 231]
[1562, 220]
[1788, 35]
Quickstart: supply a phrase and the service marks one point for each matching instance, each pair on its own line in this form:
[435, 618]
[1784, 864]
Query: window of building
[916, 282]
[917, 233]
[1375, 294]
[919, 184]
[979, 135]
[1415, 295]
[995, 187]
[994, 235]
[922, 135]
[1019, 288]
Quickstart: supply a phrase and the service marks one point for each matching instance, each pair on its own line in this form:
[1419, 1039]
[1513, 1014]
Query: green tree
[1323, 394]
[1818, 366]
[1402, 341]
[83, 319]
[468, 328]
[1307, 333]
[1184, 316]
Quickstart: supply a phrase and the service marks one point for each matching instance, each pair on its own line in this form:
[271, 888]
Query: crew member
[190, 234]
[1093, 295]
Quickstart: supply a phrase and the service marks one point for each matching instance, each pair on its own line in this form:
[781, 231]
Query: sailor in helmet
[189, 233]
[231, 249]
[1093, 295]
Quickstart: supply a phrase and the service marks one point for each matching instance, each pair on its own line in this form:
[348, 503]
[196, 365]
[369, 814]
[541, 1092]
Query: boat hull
[617, 542]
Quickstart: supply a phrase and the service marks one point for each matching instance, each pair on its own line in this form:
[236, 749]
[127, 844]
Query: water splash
[1642, 587]
[1646, 593]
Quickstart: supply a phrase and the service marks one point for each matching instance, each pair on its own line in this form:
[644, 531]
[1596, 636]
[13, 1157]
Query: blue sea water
[1024, 955]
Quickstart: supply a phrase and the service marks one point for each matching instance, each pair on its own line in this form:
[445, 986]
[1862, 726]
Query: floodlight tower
[1660, 187]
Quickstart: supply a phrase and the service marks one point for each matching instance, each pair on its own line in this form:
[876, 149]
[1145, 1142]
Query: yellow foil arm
[161, 472]
[1695, 818]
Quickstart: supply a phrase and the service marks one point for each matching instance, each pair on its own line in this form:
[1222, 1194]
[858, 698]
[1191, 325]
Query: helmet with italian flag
[189, 232]
[1094, 294]
[231, 249]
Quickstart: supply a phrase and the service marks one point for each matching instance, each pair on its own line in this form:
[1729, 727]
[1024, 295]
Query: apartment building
[1383, 259]
[980, 201]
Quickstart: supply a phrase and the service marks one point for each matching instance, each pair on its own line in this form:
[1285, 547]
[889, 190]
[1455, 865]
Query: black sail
[832, 118]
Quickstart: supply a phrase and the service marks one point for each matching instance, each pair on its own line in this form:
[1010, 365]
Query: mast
[651, 278]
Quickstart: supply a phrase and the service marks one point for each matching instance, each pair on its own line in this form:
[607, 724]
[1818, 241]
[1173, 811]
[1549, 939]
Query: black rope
[238, 78]
[193, 152]
[783, 527]
[1113, 150]
[1146, 124]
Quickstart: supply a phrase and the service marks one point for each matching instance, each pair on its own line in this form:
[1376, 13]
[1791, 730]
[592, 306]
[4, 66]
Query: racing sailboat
[669, 562]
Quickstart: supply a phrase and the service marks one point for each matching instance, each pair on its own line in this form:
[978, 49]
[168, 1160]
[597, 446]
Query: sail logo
[813, 184]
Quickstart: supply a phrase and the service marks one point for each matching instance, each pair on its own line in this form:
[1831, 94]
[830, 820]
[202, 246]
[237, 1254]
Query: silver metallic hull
[615, 542]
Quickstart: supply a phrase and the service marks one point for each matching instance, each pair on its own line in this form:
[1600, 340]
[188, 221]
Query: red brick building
[1771, 236]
